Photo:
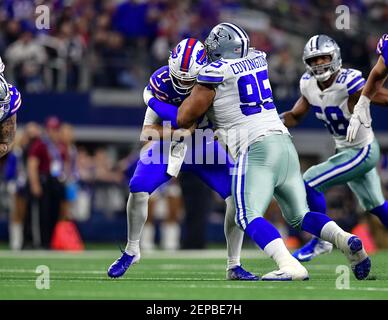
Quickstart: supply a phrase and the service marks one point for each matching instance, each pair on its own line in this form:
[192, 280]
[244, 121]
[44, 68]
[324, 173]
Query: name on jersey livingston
[248, 64]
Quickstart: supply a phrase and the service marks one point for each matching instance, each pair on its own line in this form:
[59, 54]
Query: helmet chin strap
[323, 77]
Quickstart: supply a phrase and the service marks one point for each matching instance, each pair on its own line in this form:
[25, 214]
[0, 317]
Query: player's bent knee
[137, 185]
[296, 221]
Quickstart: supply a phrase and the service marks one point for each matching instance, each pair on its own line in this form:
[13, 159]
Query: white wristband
[364, 100]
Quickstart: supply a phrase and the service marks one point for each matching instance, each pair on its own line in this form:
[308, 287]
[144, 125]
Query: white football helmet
[185, 62]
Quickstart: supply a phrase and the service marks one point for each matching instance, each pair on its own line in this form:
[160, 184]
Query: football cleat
[239, 273]
[358, 258]
[289, 273]
[313, 248]
[118, 268]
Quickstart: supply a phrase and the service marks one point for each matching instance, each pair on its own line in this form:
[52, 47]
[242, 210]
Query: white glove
[175, 157]
[361, 115]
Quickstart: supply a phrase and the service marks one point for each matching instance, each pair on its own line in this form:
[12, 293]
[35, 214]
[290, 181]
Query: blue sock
[315, 199]
[262, 232]
[382, 213]
[313, 222]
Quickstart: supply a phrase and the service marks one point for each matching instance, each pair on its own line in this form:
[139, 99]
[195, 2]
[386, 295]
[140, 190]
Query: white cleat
[288, 273]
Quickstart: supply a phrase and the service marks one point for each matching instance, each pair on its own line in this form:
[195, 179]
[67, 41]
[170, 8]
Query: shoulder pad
[382, 48]
[303, 82]
[159, 82]
[213, 73]
[352, 78]
[382, 45]
[16, 99]
[259, 53]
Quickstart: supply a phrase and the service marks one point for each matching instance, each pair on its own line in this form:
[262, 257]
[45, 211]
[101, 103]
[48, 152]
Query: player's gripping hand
[361, 116]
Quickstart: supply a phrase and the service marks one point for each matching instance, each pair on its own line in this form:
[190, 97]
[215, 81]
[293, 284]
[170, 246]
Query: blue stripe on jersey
[210, 79]
[357, 87]
[353, 81]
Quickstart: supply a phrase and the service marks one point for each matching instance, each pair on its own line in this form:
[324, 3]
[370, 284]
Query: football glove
[361, 116]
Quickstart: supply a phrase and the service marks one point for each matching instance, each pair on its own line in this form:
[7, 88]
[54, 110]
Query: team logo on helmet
[201, 58]
[175, 51]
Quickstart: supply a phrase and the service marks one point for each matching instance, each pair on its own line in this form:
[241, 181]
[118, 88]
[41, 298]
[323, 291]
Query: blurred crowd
[117, 43]
[43, 176]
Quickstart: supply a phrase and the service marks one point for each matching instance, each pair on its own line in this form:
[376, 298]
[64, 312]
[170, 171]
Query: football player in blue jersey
[10, 102]
[171, 85]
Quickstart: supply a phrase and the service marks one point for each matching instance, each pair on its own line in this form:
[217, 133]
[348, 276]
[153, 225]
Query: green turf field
[178, 275]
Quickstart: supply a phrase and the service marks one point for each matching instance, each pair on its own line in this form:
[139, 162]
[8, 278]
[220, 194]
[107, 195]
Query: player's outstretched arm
[376, 79]
[373, 90]
[7, 135]
[195, 105]
[166, 111]
[293, 117]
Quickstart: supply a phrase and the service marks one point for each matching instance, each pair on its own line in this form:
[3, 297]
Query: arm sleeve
[151, 117]
[354, 82]
[165, 111]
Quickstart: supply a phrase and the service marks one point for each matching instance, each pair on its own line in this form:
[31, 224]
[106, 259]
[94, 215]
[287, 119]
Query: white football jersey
[243, 110]
[331, 105]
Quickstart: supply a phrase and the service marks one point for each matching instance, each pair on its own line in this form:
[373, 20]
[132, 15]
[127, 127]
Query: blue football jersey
[382, 48]
[14, 105]
[161, 86]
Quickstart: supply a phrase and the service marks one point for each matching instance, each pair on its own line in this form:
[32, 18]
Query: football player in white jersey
[331, 92]
[235, 93]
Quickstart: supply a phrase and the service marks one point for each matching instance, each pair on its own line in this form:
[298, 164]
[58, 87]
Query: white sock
[133, 248]
[15, 235]
[233, 262]
[148, 236]
[170, 236]
[278, 251]
[137, 211]
[233, 234]
[332, 233]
